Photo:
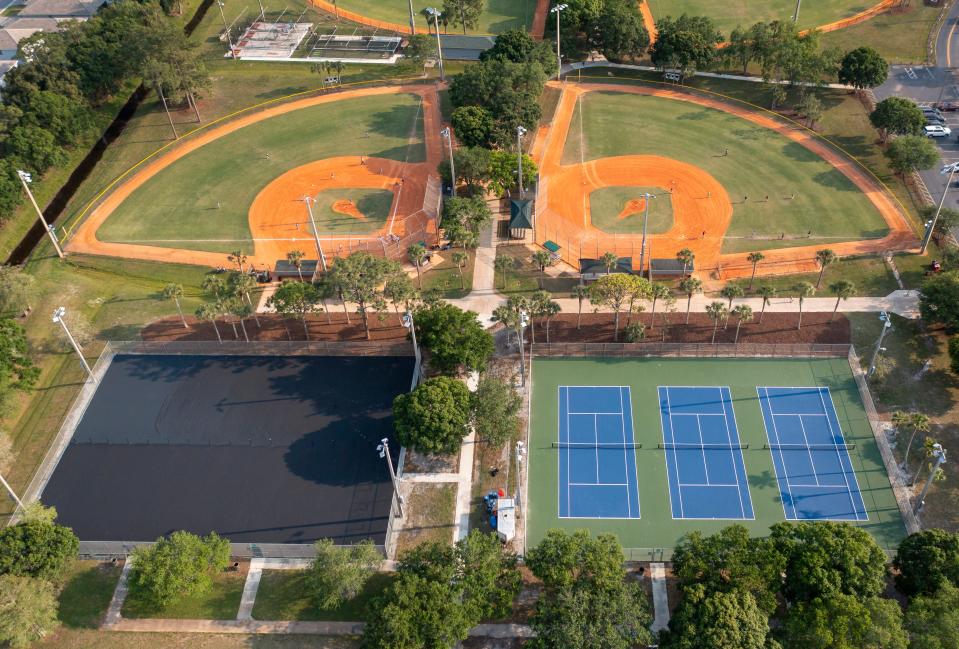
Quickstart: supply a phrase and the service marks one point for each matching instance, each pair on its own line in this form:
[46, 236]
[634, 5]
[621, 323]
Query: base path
[277, 215]
[700, 203]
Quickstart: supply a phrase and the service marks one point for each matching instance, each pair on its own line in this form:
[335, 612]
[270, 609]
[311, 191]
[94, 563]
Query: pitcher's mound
[348, 207]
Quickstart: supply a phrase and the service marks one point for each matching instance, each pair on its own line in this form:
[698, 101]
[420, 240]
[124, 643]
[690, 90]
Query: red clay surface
[277, 211]
[700, 203]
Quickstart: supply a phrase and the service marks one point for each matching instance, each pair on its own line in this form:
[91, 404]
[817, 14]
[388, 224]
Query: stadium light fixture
[58, 319]
[384, 450]
[411, 325]
[520, 453]
[523, 322]
[886, 326]
[26, 179]
[642, 250]
[446, 133]
[559, 59]
[226, 29]
[520, 132]
[316, 235]
[432, 11]
[946, 169]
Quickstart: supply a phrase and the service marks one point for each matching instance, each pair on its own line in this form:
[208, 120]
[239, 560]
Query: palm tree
[687, 257]
[690, 286]
[238, 258]
[459, 260]
[580, 292]
[243, 285]
[175, 292]
[823, 258]
[209, 313]
[543, 260]
[731, 291]
[717, 311]
[548, 309]
[843, 290]
[240, 310]
[743, 313]
[214, 286]
[915, 420]
[767, 293]
[754, 258]
[659, 292]
[399, 289]
[803, 290]
[295, 258]
[417, 254]
[609, 260]
[503, 264]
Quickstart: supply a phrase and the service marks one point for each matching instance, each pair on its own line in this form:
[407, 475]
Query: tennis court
[704, 461]
[813, 467]
[597, 465]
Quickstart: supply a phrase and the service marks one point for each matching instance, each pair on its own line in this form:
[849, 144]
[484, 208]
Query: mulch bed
[775, 328]
[272, 328]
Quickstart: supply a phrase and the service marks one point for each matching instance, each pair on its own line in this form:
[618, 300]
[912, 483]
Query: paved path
[657, 573]
[484, 275]
[119, 596]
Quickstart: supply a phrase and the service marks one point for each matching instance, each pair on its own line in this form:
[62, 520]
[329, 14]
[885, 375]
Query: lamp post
[939, 454]
[412, 22]
[796, 15]
[886, 326]
[12, 493]
[642, 250]
[520, 452]
[409, 324]
[26, 179]
[432, 11]
[384, 450]
[523, 321]
[316, 235]
[559, 59]
[449, 141]
[226, 28]
[520, 132]
[58, 318]
[951, 170]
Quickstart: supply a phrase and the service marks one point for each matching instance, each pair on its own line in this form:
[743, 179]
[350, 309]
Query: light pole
[951, 170]
[316, 235]
[520, 132]
[26, 179]
[520, 452]
[939, 454]
[796, 15]
[412, 22]
[58, 318]
[439, 44]
[523, 321]
[559, 59]
[226, 28]
[886, 326]
[449, 141]
[384, 450]
[642, 250]
[12, 493]
[409, 324]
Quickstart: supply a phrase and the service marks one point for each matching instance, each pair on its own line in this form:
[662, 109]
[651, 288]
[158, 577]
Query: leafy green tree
[454, 338]
[932, 620]
[912, 153]
[843, 289]
[359, 277]
[587, 599]
[803, 290]
[897, 116]
[420, 48]
[842, 621]
[338, 573]
[465, 214]
[823, 560]
[518, 46]
[503, 169]
[434, 417]
[717, 620]
[28, 610]
[811, 108]
[177, 566]
[63, 116]
[939, 300]
[862, 68]
[687, 43]
[620, 31]
[416, 613]
[37, 547]
[473, 125]
[472, 166]
[926, 562]
[465, 13]
[948, 218]
[495, 407]
[295, 299]
[615, 292]
[398, 289]
[35, 148]
[634, 332]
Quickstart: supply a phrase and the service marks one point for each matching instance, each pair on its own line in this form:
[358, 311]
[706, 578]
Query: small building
[15, 29]
[61, 9]
[591, 270]
[520, 218]
[669, 269]
[285, 270]
[506, 519]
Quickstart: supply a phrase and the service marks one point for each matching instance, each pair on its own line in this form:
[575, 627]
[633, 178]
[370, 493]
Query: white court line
[732, 455]
[672, 433]
[812, 462]
[599, 484]
[852, 501]
[622, 423]
[782, 458]
[708, 484]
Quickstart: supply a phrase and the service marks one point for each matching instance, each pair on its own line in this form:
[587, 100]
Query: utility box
[506, 519]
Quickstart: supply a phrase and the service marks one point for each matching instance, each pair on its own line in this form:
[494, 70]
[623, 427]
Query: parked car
[938, 131]
[948, 105]
[930, 111]
[932, 119]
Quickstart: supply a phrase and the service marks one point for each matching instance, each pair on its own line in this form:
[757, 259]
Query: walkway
[657, 574]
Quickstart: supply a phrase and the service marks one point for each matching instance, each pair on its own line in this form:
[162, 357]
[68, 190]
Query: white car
[937, 131]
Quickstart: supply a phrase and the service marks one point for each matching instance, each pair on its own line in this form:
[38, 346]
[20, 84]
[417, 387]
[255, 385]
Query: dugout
[591, 270]
[669, 269]
[285, 270]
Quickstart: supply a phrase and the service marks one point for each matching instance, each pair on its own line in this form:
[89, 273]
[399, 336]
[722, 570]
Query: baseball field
[727, 14]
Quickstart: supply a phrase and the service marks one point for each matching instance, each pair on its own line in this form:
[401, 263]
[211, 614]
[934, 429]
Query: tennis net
[705, 447]
[810, 447]
[596, 445]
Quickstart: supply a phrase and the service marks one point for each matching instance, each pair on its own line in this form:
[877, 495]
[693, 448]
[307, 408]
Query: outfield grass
[497, 17]
[900, 36]
[805, 193]
[727, 14]
[285, 595]
[221, 602]
[657, 529]
[202, 200]
[374, 204]
[607, 206]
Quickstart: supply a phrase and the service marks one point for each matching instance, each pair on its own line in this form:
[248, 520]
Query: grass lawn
[871, 276]
[900, 36]
[823, 199]
[430, 509]
[219, 603]
[525, 277]
[352, 211]
[86, 639]
[284, 595]
[729, 13]
[620, 210]
[178, 206]
[86, 594]
[498, 15]
[445, 276]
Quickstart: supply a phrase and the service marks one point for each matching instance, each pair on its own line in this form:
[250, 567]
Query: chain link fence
[691, 350]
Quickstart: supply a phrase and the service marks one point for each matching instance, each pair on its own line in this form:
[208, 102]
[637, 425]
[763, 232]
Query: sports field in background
[805, 193]
[620, 210]
[498, 16]
[723, 441]
[202, 201]
[729, 13]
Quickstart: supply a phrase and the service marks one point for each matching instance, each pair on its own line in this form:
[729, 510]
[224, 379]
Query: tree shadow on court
[342, 453]
[763, 481]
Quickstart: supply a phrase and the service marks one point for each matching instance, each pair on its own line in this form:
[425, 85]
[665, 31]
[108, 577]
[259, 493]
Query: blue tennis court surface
[597, 460]
[815, 473]
[704, 461]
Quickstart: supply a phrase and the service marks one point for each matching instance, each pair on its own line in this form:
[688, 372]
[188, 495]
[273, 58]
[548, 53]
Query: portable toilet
[506, 519]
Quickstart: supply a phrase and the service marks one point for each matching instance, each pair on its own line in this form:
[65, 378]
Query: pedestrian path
[657, 573]
[484, 274]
